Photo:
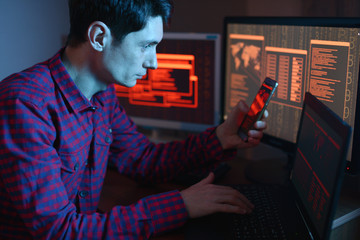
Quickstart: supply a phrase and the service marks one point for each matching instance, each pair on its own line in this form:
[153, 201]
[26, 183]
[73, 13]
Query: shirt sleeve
[34, 199]
[137, 157]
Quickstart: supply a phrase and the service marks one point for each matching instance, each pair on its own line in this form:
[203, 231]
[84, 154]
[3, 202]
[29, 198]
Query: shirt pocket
[71, 162]
[72, 165]
[104, 136]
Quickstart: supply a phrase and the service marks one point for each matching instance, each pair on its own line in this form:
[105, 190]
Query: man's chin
[128, 84]
[132, 84]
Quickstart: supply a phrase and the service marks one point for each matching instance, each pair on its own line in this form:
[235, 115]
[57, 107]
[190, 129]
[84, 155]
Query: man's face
[129, 60]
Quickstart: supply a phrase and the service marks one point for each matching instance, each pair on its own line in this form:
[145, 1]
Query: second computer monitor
[319, 55]
[183, 93]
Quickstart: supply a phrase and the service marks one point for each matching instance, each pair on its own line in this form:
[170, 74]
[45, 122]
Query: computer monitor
[183, 93]
[319, 55]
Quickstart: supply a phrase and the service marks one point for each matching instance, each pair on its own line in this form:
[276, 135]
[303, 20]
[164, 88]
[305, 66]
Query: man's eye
[148, 45]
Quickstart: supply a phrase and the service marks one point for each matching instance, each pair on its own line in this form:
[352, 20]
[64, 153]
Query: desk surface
[120, 190]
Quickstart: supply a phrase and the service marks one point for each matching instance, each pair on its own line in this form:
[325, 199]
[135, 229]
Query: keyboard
[264, 221]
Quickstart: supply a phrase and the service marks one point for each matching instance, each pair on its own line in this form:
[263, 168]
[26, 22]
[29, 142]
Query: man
[61, 123]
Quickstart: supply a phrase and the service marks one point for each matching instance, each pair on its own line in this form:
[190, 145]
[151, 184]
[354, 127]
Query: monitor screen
[319, 55]
[183, 93]
[323, 140]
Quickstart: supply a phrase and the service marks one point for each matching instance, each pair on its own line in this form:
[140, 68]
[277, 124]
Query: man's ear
[99, 35]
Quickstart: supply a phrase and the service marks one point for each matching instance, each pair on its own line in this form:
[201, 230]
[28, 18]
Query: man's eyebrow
[152, 42]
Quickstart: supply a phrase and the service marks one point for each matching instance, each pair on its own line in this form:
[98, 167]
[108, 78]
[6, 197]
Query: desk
[119, 190]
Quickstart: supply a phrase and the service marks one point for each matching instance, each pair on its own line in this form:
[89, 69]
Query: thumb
[238, 112]
[207, 180]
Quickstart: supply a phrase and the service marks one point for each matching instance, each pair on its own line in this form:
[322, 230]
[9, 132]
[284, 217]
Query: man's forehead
[152, 32]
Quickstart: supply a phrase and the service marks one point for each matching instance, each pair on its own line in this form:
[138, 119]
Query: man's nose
[151, 62]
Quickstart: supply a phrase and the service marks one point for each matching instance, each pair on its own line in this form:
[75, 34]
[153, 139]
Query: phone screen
[257, 107]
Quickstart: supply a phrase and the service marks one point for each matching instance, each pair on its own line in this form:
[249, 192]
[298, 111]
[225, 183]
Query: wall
[331, 8]
[30, 32]
[195, 16]
[208, 17]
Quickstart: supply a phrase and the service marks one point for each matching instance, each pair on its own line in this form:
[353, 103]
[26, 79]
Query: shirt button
[107, 140]
[83, 194]
[110, 130]
[76, 167]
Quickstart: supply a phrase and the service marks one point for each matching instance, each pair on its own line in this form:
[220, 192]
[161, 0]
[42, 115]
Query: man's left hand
[227, 131]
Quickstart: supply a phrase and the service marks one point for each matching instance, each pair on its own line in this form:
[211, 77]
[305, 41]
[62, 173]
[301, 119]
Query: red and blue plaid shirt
[54, 149]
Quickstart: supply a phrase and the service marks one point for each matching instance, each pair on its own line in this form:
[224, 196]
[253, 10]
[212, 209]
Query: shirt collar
[77, 101]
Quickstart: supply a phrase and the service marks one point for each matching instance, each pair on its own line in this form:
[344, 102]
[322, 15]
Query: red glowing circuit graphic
[172, 84]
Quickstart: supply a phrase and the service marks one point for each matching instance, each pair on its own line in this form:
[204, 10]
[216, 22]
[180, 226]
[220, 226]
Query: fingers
[232, 201]
[202, 199]
[227, 131]
[255, 134]
[260, 125]
[232, 208]
[266, 114]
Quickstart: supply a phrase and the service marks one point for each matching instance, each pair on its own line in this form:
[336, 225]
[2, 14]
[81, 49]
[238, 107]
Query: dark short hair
[121, 16]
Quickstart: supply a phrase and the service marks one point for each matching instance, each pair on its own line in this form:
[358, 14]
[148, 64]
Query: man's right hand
[205, 198]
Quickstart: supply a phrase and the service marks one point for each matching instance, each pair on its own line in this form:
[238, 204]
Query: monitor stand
[265, 164]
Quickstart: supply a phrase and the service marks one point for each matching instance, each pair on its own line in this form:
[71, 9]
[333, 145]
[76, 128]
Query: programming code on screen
[312, 167]
[172, 84]
[321, 60]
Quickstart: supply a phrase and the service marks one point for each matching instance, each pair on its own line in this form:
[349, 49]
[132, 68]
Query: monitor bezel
[353, 165]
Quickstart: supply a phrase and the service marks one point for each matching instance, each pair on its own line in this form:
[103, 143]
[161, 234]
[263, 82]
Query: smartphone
[257, 107]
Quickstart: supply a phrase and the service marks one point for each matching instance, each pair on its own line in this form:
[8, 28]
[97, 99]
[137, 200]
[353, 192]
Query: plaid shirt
[55, 146]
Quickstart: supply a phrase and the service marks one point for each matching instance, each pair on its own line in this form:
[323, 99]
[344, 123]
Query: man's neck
[77, 63]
